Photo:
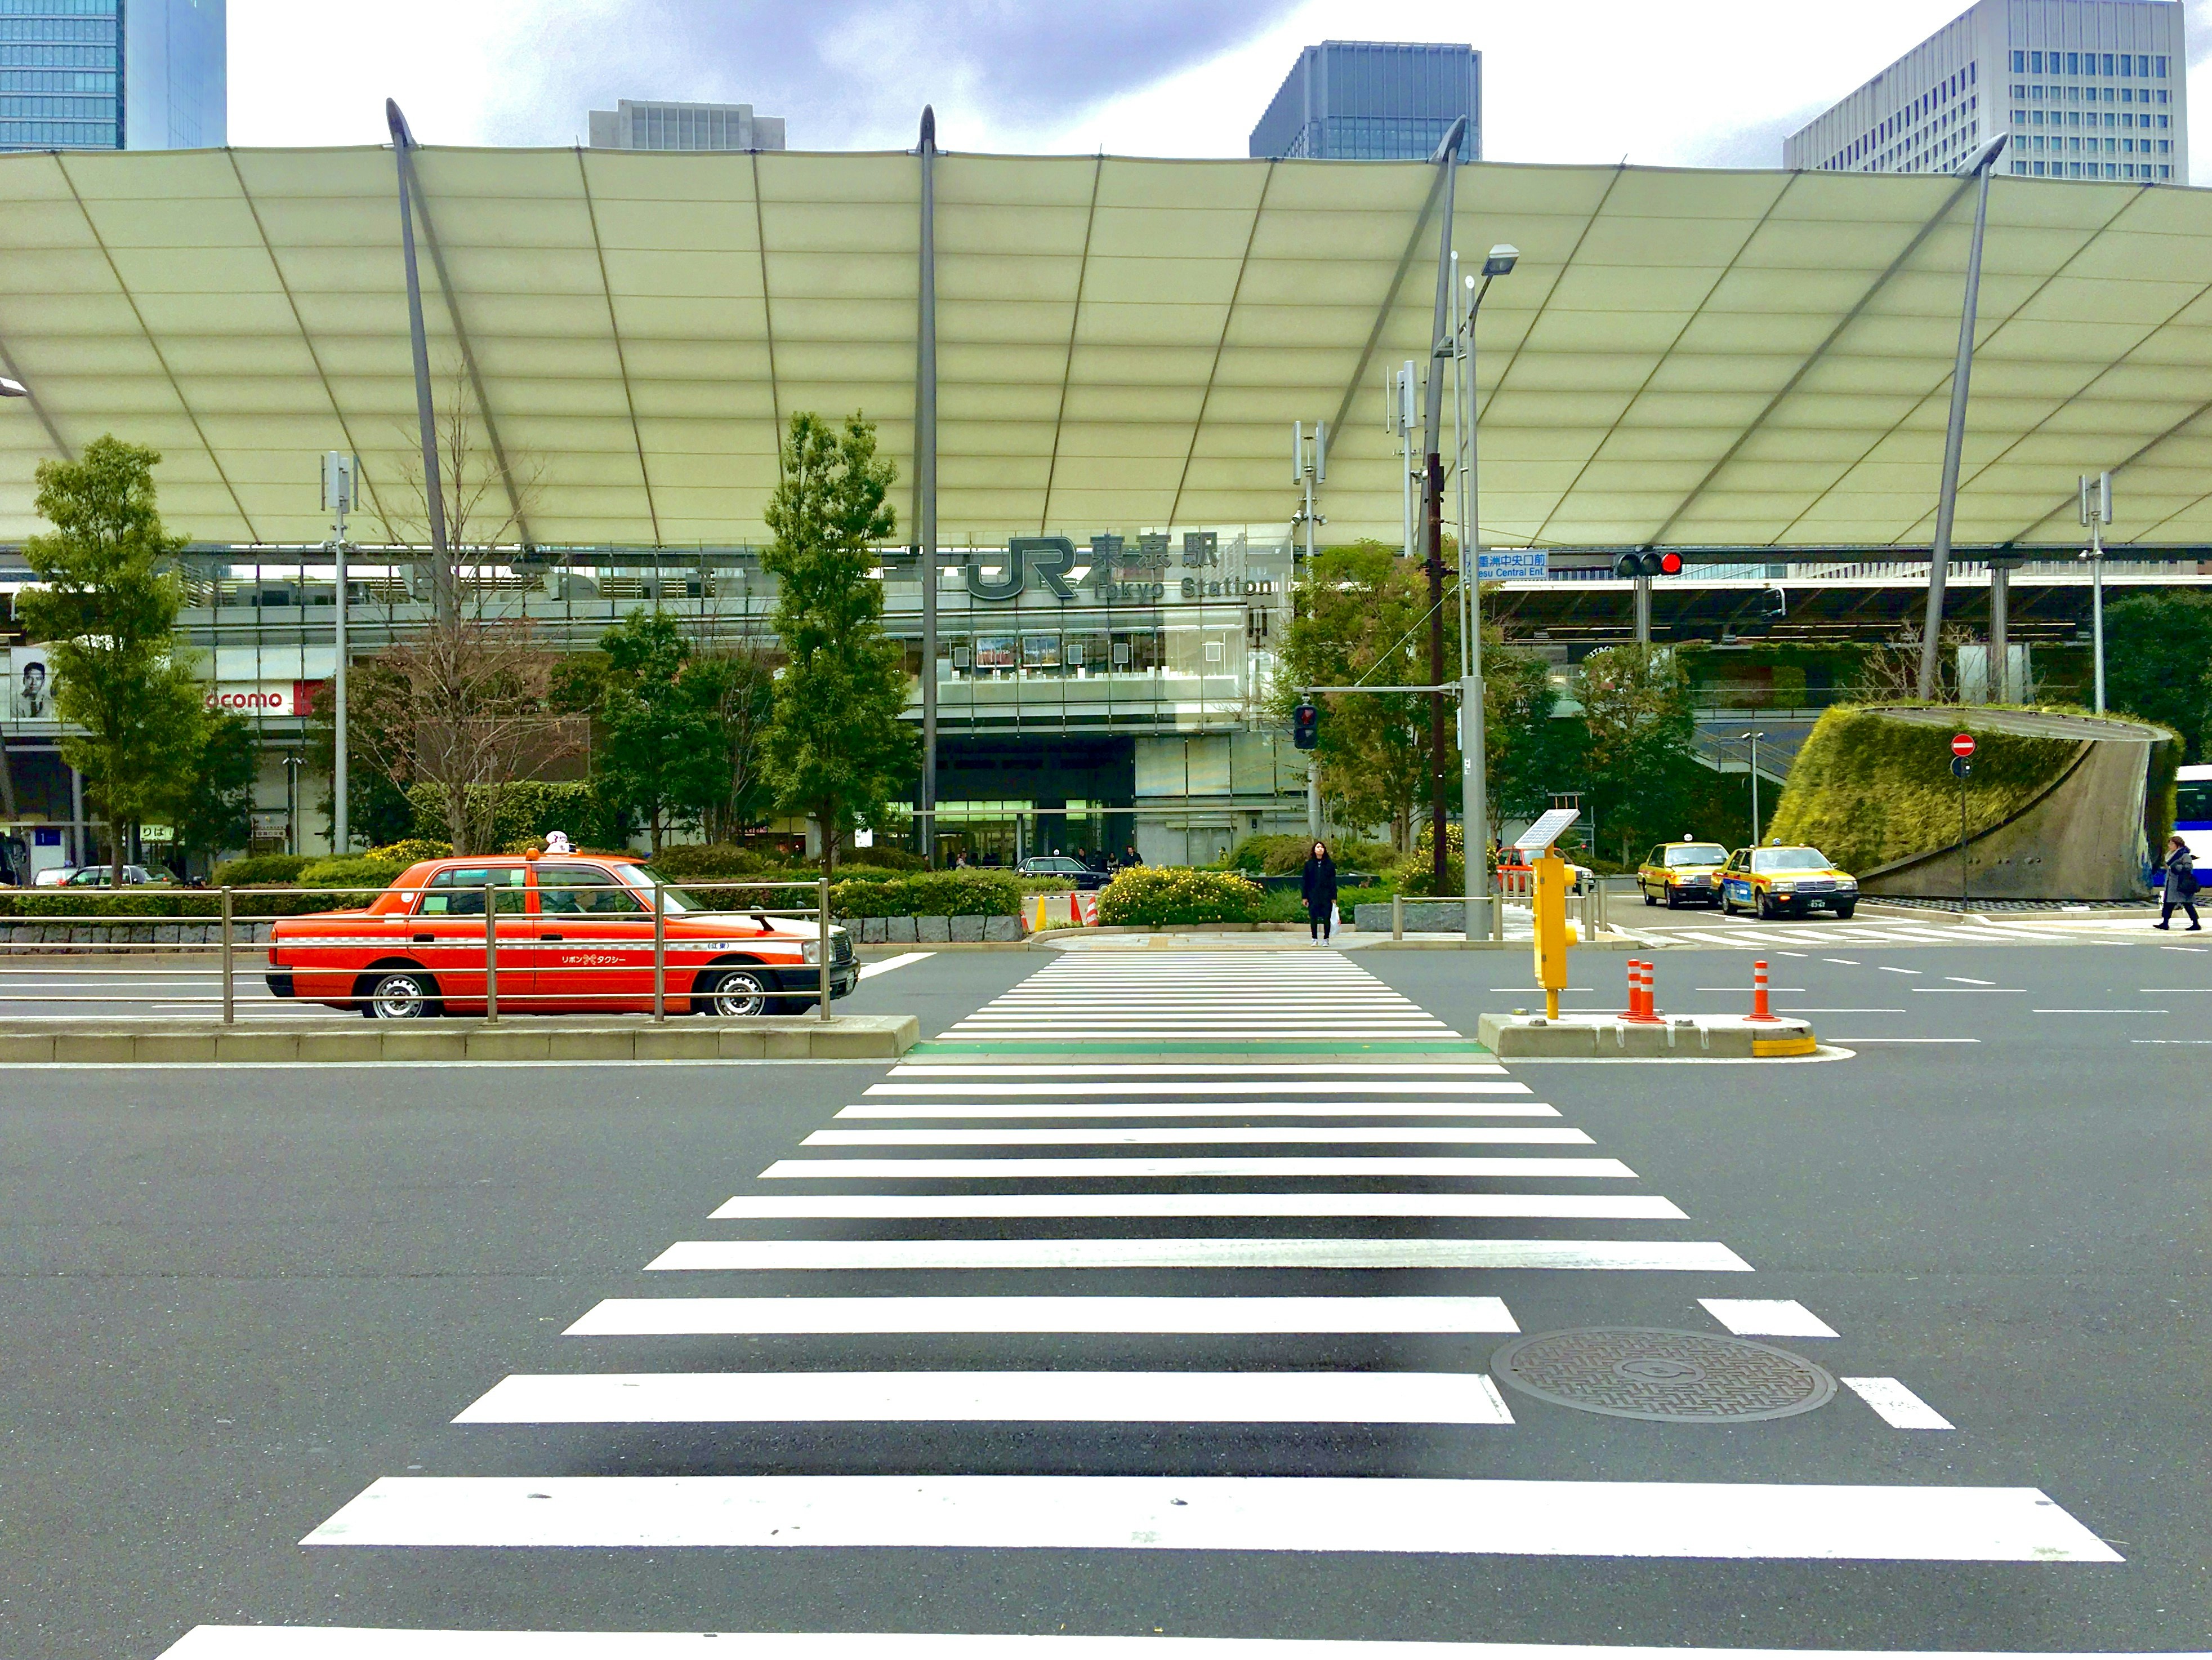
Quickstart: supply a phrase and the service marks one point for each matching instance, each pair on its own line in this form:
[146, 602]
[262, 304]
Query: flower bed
[1153, 896]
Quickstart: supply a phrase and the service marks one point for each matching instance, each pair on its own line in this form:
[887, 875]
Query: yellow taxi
[1682, 872]
[1786, 882]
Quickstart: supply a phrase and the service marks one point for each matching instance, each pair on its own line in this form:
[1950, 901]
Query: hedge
[1157, 897]
[363, 871]
[260, 869]
[930, 893]
[1867, 790]
[1286, 855]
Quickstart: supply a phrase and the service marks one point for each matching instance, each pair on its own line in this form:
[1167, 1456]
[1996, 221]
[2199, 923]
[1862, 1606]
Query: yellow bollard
[1550, 907]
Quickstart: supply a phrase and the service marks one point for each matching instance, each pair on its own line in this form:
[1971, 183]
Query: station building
[1750, 366]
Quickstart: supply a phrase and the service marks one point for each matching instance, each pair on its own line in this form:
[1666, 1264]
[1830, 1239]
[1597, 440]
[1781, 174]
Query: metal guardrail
[224, 951]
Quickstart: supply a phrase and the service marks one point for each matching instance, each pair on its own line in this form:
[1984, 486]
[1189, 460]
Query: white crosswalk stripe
[1101, 1051]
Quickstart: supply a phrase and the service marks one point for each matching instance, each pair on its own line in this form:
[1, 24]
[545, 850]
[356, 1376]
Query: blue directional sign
[1512, 565]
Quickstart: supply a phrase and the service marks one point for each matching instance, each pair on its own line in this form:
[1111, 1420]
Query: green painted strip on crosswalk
[1224, 1046]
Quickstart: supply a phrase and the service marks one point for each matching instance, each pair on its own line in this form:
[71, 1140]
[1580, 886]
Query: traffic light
[1305, 726]
[1648, 564]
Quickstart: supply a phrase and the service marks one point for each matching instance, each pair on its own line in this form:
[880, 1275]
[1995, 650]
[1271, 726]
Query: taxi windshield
[675, 901]
[1697, 853]
[1784, 859]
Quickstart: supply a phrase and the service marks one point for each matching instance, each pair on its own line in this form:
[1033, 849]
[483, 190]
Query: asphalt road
[239, 1297]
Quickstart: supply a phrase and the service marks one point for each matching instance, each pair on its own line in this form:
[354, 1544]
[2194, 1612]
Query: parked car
[134, 876]
[54, 877]
[1786, 882]
[1059, 866]
[1677, 873]
[572, 935]
[1581, 879]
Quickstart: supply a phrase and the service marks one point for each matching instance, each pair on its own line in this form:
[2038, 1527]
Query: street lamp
[2096, 513]
[292, 802]
[1473, 760]
[1752, 739]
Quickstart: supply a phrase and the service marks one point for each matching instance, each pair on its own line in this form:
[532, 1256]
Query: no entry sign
[1962, 746]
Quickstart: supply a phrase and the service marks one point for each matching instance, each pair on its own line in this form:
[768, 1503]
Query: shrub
[887, 858]
[261, 869]
[1286, 855]
[366, 871]
[930, 893]
[413, 851]
[707, 862]
[1166, 896]
[529, 808]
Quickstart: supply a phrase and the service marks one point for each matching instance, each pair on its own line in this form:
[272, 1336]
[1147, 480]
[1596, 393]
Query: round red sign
[1962, 744]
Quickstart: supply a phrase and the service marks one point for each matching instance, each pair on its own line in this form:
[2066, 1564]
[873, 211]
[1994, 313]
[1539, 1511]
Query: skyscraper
[649, 124]
[2085, 88]
[113, 75]
[1370, 101]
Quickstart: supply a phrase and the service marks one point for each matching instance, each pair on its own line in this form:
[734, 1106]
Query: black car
[1059, 866]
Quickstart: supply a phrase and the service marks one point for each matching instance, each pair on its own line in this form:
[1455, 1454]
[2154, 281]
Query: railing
[451, 978]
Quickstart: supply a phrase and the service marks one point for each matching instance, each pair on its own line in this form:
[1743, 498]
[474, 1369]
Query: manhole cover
[1671, 1376]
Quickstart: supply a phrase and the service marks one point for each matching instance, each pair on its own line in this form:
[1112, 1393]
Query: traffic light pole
[1440, 346]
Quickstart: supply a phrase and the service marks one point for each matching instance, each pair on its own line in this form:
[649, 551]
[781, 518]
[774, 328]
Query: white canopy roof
[1693, 357]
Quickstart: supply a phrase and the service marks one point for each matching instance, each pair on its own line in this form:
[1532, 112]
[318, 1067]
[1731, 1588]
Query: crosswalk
[1069, 1100]
[1977, 929]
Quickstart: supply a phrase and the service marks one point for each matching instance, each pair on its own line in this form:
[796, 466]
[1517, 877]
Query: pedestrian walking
[2180, 884]
[1319, 887]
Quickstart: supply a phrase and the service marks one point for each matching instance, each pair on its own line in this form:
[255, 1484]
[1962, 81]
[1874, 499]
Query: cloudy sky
[1698, 83]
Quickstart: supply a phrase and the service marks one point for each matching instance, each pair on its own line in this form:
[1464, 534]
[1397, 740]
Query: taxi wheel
[1767, 911]
[401, 994]
[1674, 899]
[738, 995]
[1843, 909]
[1647, 899]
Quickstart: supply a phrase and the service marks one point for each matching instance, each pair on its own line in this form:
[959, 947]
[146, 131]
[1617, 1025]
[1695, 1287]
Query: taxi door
[594, 942]
[447, 936]
[1735, 881]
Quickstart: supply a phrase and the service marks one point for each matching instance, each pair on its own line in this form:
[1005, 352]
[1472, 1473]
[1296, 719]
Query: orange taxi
[569, 934]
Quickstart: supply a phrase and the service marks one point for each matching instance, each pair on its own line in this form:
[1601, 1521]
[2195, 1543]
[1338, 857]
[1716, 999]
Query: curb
[1684, 1038]
[848, 1037]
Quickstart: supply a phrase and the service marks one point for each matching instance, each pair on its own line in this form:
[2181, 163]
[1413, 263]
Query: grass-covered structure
[2059, 806]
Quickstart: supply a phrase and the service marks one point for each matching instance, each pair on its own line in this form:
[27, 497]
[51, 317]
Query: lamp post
[2096, 513]
[1954, 436]
[337, 496]
[292, 803]
[1473, 749]
[1752, 739]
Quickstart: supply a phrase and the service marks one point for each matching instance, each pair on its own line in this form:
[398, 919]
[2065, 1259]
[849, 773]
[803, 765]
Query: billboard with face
[30, 681]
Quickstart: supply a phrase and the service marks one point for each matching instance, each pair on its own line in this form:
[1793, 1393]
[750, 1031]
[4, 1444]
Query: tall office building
[649, 124]
[113, 75]
[2086, 89]
[1374, 101]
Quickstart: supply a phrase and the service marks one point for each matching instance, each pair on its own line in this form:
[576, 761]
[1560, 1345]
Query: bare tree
[1890, 672]
[464, 701]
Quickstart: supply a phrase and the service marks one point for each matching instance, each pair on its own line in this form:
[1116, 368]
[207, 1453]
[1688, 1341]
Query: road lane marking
[1969, 991]
[908, 1397]
[1963, 980]
[1224, 1135]
[1904, 1040]
[870, 970]
[1886, 968]
[859, 1206]
[1422, 1070]
[1203, 1316]
[967, 1089]
[1657, 1519]
[1115, 1170]
[2100, 1011]
[1848, 962]
[1001, 1108]
[1896, 1405]
[748, 1255]
[1762, 1316]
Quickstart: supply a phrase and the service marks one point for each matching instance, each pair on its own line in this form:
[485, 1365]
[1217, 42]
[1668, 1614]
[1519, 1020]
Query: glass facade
[113, 75]
[1354, 101]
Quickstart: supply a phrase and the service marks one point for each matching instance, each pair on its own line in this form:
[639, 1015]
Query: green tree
[1533, 753]
[658, 757]
[1362, 614]
[378, 811]
[107, 606]
[215, 814]
[1636, 706]
[2158, 663]
[836, 747]
[738, 688]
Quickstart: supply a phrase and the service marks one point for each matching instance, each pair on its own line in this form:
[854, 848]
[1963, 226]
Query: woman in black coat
[2180, 884]
[1319, 887]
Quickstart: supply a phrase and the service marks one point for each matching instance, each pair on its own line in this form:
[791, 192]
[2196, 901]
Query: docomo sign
[292, 697]
[1962, 746]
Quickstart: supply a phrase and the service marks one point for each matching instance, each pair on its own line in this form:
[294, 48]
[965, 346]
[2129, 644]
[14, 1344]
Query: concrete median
[1680, 1037]
[110, 1042]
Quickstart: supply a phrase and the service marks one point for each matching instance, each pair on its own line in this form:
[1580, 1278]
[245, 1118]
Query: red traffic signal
[1648, 564]
[1305, 726]
[1670, 564]
[1962, 746]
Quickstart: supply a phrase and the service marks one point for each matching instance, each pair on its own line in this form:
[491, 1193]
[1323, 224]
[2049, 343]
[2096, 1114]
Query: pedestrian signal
[1305, 726]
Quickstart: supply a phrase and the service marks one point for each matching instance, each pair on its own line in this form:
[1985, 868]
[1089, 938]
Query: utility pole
[338, 472]
[1752, 739]
[1309, 467]
[1954, 436]
[1432, 503]
[1474, 741]
[925, 481]
[2096, 513]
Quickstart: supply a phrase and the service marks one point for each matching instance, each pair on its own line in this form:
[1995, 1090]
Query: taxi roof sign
[1540, 835]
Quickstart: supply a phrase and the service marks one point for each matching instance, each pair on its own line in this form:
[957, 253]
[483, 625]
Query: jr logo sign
[1049, 558]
